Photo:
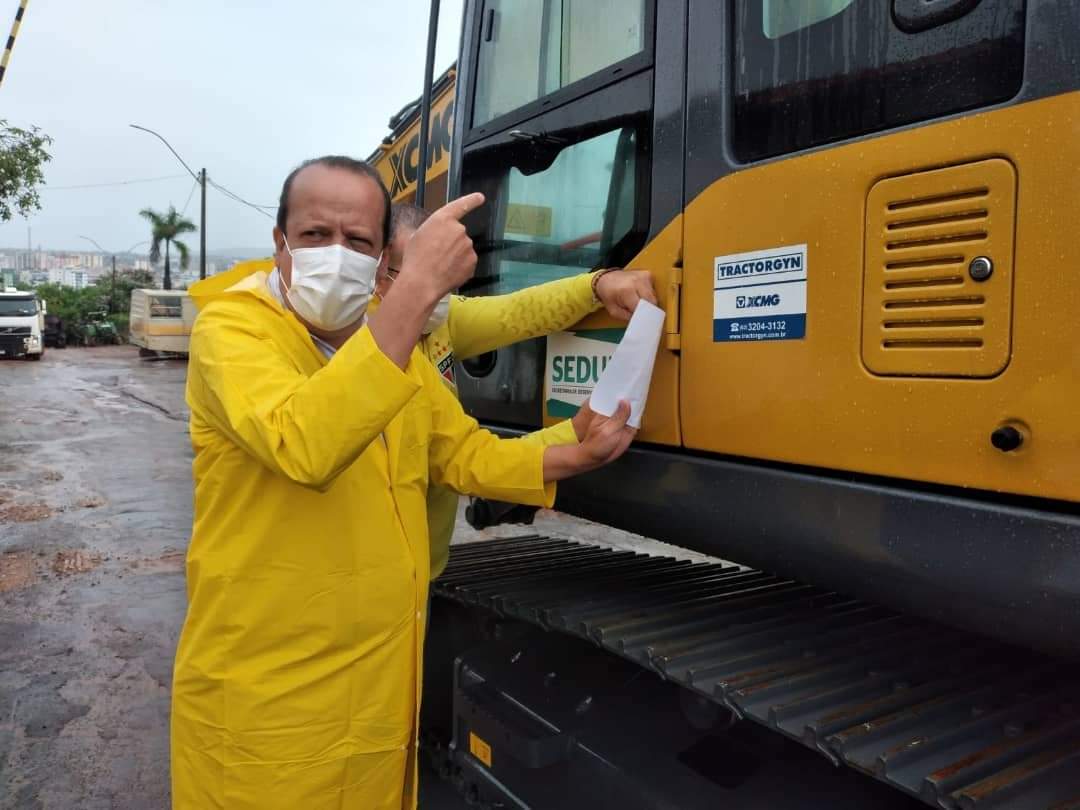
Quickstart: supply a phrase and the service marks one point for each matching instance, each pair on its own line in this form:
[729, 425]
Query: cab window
[782, 17]
[165, 307]
[808, 72]
[531, 48]
[558, 208]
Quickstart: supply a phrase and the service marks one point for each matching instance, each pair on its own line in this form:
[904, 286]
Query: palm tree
[165, 228]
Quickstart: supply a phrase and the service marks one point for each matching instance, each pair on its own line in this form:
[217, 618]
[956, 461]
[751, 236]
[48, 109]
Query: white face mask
[331, 285]
[439, 315]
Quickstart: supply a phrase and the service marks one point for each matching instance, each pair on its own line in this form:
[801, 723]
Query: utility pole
[112, 288]
[202, 228]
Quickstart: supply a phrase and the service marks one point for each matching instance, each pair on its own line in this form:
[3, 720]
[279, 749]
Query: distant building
[76, 278]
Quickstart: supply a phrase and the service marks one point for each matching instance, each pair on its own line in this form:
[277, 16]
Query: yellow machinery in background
[397, 158]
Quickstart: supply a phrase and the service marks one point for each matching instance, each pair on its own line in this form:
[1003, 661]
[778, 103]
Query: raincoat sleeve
[485, 323]
[474, 461]
[307, 428]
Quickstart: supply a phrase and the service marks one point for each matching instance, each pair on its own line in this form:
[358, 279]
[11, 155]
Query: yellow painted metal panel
[813, 401]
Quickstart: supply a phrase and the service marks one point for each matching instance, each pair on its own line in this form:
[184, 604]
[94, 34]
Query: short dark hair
[349, 164]
[407, 215]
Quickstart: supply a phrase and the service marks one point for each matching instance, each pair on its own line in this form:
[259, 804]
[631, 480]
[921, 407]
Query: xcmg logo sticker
[760, 295]
[744, 301]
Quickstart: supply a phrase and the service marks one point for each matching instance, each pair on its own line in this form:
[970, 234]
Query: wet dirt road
[95, 514]
[95, 511]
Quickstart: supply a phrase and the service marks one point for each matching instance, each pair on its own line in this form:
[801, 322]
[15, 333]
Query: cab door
[576, 139]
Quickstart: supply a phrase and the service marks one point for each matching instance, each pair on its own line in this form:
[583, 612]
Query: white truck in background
[22, 324]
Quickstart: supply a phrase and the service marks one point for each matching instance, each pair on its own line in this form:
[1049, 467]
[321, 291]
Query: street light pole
[199, 178]
[112, 286]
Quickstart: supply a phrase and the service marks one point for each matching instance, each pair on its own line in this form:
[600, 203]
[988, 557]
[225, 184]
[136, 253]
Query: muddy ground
[95, 512]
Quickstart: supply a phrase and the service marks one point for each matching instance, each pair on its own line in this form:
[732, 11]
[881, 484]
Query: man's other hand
[620, 290]
[602, 440]
[440, 256]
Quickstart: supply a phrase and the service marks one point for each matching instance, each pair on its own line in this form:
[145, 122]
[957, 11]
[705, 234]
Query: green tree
[73, 306]
[22, 158]
[165, 228]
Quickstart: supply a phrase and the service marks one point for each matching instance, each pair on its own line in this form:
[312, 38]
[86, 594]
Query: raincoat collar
[250, 278]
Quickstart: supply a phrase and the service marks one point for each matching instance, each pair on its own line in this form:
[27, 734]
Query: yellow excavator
[859, 217]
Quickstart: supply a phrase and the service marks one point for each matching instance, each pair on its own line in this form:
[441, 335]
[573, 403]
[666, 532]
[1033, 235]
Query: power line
[115, 183]
[191, 193]
[262, 209]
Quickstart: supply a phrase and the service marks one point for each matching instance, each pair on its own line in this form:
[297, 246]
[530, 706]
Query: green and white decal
[575, 361]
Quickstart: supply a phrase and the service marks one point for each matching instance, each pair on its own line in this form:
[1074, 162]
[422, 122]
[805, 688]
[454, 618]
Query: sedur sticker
[760, 295]
[575, 361]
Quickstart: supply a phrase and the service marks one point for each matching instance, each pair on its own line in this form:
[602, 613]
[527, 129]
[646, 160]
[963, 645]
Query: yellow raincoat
[483, 324]
[297, 676]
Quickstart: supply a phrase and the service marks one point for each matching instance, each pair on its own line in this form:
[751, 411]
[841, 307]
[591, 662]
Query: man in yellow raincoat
[317, 430]
[460, 328]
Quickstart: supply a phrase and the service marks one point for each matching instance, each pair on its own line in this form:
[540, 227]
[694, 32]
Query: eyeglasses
[391, 274]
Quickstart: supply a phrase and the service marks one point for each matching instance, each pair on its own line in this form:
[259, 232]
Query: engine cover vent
[924, 312]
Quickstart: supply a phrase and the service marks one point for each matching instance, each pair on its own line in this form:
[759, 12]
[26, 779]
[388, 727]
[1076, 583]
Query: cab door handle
[913, 16]
[673, 311]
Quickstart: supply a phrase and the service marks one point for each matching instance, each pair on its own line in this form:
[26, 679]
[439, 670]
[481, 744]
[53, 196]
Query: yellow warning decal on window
[479, 749]
[532, 220]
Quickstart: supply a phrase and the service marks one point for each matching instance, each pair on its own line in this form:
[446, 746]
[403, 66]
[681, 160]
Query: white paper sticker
[760, 295]
[629, 372]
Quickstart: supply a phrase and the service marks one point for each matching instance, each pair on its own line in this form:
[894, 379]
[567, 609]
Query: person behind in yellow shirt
[317, 429]
[462, 327]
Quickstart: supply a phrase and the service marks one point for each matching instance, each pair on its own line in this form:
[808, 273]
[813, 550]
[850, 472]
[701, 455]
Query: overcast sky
[246, 88]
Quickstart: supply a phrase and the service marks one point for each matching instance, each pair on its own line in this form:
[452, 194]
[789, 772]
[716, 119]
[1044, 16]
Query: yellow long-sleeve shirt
[479, 325]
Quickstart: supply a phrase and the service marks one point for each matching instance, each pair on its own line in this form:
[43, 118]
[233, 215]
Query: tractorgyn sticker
[575, 361]
[760, 295]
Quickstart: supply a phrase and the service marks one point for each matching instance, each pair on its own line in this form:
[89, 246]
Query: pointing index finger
[463, 205]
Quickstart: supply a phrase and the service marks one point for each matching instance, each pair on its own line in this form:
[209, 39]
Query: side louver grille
[924, 312]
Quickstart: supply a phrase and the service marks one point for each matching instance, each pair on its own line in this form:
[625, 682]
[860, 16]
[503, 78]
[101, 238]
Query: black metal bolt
[981, 268]
[1006, 438]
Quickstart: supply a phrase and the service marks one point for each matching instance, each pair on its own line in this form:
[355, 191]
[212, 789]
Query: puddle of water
[75, 562]
[16, 570]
